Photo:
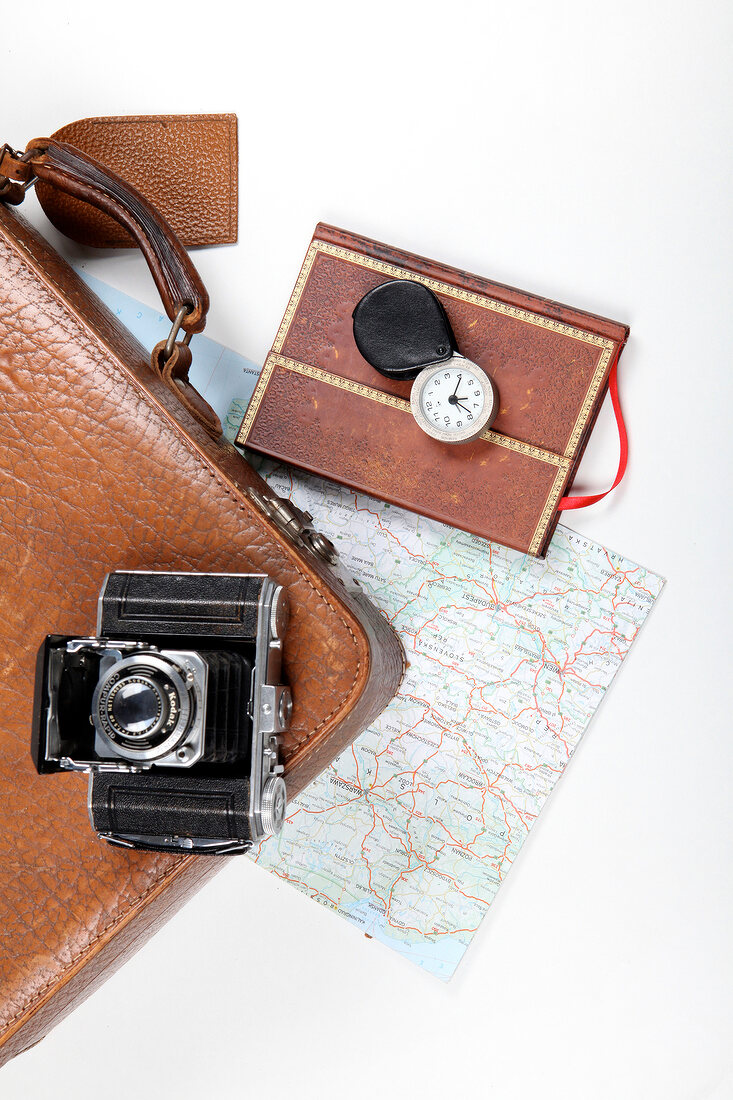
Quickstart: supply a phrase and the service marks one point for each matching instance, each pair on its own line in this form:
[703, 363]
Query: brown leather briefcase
[107, 464]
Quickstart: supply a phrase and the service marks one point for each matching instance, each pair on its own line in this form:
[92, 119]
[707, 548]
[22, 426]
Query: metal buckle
[8, 182]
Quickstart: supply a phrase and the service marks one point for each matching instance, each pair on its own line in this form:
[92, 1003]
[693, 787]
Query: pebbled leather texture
[185, 165]
[101, 469]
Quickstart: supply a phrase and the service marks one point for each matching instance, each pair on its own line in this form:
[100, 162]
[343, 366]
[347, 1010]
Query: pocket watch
[402, 330]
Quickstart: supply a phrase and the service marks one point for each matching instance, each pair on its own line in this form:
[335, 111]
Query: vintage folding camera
[174, 710]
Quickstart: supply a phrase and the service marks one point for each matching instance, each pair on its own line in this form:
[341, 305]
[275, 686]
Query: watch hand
[460, 406]
[455, 391]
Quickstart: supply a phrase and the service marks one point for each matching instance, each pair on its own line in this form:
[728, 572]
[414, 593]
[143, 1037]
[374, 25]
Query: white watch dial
[454, 402]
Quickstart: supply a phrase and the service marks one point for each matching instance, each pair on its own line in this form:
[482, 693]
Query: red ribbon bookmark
[582, 502]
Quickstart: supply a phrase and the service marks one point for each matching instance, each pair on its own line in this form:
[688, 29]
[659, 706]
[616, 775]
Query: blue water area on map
[440, 958]
[222, 376]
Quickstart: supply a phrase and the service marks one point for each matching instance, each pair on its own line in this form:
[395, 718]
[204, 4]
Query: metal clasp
[184, 309]
[13, 187]
[296, 524]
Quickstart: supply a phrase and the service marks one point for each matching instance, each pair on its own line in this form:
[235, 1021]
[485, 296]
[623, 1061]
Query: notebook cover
[320, 406]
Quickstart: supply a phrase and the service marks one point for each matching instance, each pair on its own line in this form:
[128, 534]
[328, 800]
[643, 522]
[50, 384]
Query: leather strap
[582, 502]
[76, 174]
[15, 174]
[174, 372]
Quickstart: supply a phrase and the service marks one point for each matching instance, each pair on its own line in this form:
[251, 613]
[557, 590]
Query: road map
[412, 830]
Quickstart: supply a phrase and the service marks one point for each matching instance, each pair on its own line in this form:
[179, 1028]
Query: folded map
[410, 832]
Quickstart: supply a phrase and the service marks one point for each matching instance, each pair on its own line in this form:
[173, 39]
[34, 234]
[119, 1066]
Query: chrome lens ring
[138, 706]
[142, 707]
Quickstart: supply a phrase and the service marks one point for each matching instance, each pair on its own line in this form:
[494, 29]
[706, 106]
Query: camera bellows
[228, 722]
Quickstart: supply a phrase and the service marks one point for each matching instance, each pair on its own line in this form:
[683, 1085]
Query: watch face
[454, 402]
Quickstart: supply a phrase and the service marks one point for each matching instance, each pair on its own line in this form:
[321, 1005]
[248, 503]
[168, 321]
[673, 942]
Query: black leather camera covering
[157, 806]
[401, 327]
[218, 605]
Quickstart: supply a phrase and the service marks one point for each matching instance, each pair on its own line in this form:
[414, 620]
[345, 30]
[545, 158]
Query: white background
[582, 151]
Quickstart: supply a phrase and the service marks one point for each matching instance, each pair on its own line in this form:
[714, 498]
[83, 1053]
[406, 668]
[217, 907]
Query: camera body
[173, 708]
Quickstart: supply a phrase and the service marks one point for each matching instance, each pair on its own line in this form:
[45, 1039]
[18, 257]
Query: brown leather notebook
[320, 406]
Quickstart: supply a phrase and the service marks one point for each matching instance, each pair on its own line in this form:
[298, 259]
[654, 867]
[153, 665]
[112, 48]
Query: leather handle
[73, 172]
[184, 295]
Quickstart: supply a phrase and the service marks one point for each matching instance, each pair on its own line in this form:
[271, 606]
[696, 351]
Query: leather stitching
[160, 878]
[158, 271]
[198, 458]
[233, 198]
[245, 508]
[38, 995]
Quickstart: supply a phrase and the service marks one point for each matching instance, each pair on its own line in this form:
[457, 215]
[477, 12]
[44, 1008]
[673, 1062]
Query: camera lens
[142, 707]
[136, 706]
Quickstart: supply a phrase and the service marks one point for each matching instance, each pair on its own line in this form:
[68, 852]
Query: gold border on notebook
[561, 463]
[605, 345]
